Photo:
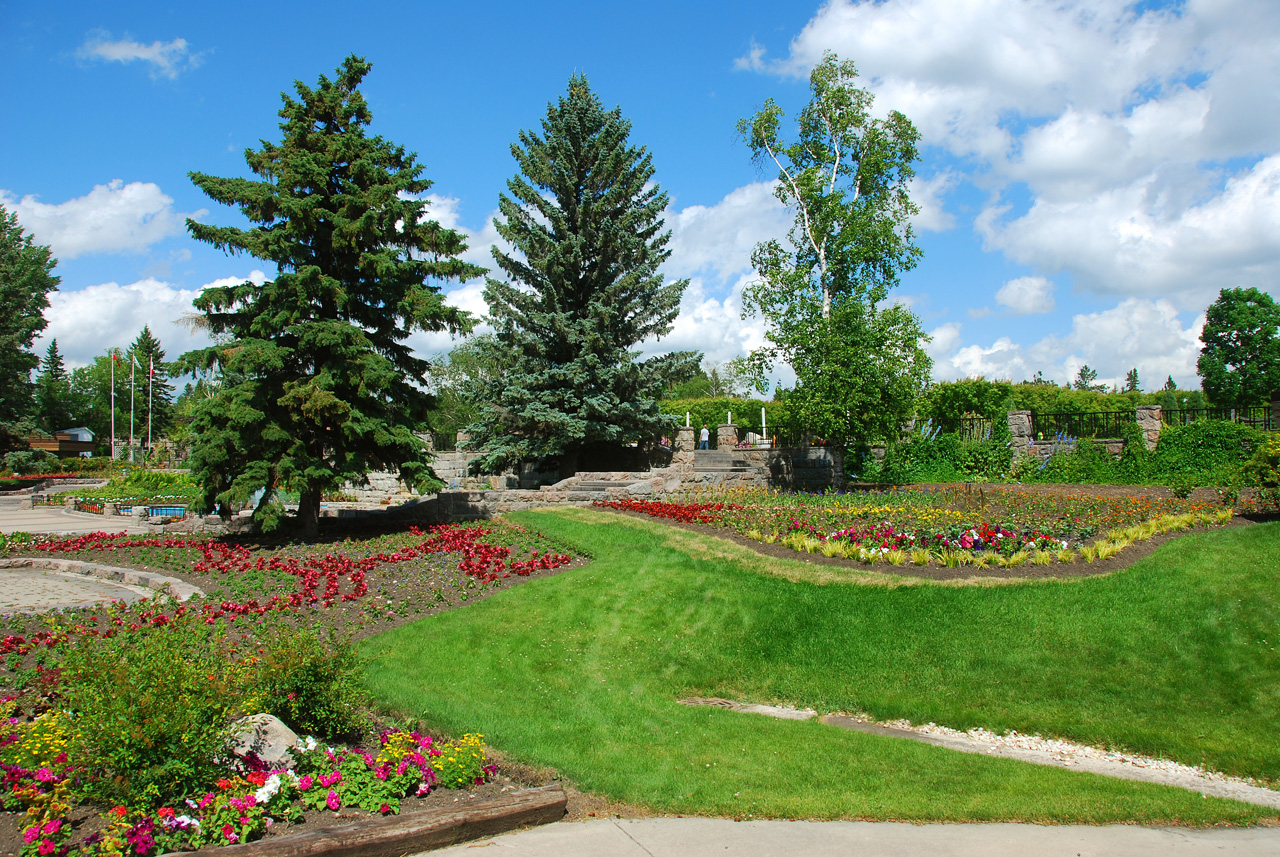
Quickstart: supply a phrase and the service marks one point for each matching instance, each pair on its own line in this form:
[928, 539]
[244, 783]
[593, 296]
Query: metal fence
[1080, 424]
[1257, 416]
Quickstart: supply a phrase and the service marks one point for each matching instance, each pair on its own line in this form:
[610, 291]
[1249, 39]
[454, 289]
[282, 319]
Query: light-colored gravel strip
[1036, 750]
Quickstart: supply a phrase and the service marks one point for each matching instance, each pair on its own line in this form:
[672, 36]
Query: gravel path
[1034, 749]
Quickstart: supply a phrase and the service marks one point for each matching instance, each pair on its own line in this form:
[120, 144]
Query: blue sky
[1093, 172]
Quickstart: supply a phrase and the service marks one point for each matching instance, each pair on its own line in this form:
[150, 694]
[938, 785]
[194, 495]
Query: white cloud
[89, 321]
[166, 59]
[1127, 241]
[1027, 296]
[718, 239]
[928, 195]
[112, 218]
[1143, 334]
[1144, 139]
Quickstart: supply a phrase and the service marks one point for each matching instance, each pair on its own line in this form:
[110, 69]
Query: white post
[730, 417]
[686, 419]
[764, 427]
[151, 371]
[114, 357]
[133, 364]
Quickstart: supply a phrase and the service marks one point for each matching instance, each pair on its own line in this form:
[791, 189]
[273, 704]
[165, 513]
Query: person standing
[704, 440]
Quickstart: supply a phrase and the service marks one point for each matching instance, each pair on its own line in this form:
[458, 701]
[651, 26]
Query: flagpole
[133, 364]
[114, 357]
[151, 372]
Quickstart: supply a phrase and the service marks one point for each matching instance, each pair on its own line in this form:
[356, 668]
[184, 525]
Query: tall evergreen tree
[53, 392]
[154, 394]
[1131, 382]
[583, 290]
[26, 278]
[316, 384]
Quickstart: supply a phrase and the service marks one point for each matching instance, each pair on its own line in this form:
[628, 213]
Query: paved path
[711, 837]
[52, 519]
[35, 590]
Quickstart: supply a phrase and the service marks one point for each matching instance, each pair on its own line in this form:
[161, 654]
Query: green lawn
[1174, 657]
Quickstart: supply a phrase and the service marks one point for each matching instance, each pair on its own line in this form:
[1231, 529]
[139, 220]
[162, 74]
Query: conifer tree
[580, 294]
[1131, 382]
[26, 278]
[53, 392]
[315, 384]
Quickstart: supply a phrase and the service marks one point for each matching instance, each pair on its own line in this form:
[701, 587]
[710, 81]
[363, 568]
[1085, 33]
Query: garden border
[179, 589]
[419, 831]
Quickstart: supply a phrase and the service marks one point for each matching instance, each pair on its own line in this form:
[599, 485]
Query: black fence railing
[1080, 424]
[1258, 416]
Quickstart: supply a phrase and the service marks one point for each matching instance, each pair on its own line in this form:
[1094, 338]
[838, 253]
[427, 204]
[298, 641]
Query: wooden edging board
[419, 831]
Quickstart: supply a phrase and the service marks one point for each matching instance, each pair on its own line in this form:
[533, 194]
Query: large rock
[266, 736]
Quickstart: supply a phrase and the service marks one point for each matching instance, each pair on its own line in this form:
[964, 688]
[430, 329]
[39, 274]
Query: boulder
[266, 736]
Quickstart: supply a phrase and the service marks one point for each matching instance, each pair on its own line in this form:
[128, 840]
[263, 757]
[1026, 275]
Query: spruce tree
[156, 400]
[312, 382]
[53, 392]
[581, 292]
[26, 278]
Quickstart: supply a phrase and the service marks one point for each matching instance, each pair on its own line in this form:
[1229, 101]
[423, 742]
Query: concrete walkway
[711, 837]
[36, 590]
[53, 519]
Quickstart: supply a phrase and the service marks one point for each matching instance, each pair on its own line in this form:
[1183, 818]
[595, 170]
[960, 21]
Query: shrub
[1212, 451]
[28, 461]
[1263, 472]
[150, 709]
[311, 680]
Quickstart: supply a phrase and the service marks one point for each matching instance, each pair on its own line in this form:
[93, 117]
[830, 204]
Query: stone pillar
[109, 510]
[726, 436]
[1275, 410]
[686, 439]
[463, 439]
[69, 504]
[1150, 420]
[1020, 428]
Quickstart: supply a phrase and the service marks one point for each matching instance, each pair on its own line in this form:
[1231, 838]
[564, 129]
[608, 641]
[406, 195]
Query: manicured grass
[581, 672]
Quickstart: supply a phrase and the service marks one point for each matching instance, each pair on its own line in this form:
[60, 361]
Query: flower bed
[111, 719]
[933, 525]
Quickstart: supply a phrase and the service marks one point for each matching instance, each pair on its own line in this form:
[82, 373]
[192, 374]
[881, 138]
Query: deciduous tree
[316, 384]
[858, 362]
[1240, 361]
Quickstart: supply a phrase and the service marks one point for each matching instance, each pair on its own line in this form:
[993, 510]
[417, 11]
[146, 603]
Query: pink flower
[332, 801]
[31, 834]
[45, 847]
[304, 782]
[229, 832]
[44, 775]
[384, 809]
[51, 827]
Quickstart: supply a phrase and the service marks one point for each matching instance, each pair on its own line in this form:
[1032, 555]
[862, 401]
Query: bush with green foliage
[1263, 472]
[1207, 452]
[28, 461]
[311, 680]
[151, 706]
[151, 710]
